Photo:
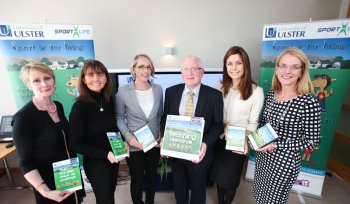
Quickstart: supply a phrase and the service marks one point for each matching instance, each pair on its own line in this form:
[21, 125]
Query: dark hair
[246, 83]
[84, 94]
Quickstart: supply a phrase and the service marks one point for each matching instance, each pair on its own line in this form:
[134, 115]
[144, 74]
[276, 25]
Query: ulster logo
[270, 32]
[5, 31]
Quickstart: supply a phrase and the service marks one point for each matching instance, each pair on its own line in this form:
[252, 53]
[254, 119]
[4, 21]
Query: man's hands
[202, 153]
[159, 142]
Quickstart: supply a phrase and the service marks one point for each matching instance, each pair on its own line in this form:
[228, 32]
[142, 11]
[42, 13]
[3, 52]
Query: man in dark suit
[207, 103]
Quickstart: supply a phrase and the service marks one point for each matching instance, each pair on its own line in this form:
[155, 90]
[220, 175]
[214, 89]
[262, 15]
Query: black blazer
[209, 105]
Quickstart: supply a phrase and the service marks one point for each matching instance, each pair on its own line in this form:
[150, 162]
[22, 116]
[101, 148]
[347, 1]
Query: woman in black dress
[40, 133]
[92, 116]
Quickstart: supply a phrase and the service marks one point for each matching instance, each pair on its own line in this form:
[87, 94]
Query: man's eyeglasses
[192, 69]
[143, 67]
[293, 67]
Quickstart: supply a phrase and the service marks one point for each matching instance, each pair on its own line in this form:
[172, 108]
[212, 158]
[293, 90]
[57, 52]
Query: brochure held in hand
[145, 136]
[235, 138]
[117, 144]
[67, 174]
[183, 137]
[262, 136]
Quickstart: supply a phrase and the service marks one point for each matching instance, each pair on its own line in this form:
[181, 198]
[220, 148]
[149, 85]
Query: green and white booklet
[117, 144]
[145, 136]
[67, 174]
[183, 137]
[235, 138]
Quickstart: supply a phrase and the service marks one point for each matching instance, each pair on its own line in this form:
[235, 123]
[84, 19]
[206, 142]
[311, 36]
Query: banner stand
[327, 45]
[64, 48]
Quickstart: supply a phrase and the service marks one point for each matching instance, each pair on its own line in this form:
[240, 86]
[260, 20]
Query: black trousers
[225, 196]
[143, 165]
[186, 176]
[103, 178]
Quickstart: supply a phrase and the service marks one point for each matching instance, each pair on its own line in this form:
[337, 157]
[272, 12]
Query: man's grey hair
[194, 58]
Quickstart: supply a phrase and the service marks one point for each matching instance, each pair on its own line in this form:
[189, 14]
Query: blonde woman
[294, 114]
[138, 104]
[40, 132]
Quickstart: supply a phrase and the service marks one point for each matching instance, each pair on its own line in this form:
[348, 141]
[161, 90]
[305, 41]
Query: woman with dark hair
[92, 116]
[243, 101]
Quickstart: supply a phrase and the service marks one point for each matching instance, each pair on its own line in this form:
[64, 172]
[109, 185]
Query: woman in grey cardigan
[138, 104]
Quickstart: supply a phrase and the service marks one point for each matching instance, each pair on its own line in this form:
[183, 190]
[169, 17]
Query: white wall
[207, 28]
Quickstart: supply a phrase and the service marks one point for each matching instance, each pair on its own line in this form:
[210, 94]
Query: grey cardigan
[130, 116]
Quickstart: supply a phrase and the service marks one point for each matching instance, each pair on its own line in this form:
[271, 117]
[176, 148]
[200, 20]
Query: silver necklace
[46, 109]
[100, 106]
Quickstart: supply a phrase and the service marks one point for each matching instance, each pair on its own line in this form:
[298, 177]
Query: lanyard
[281, 115]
